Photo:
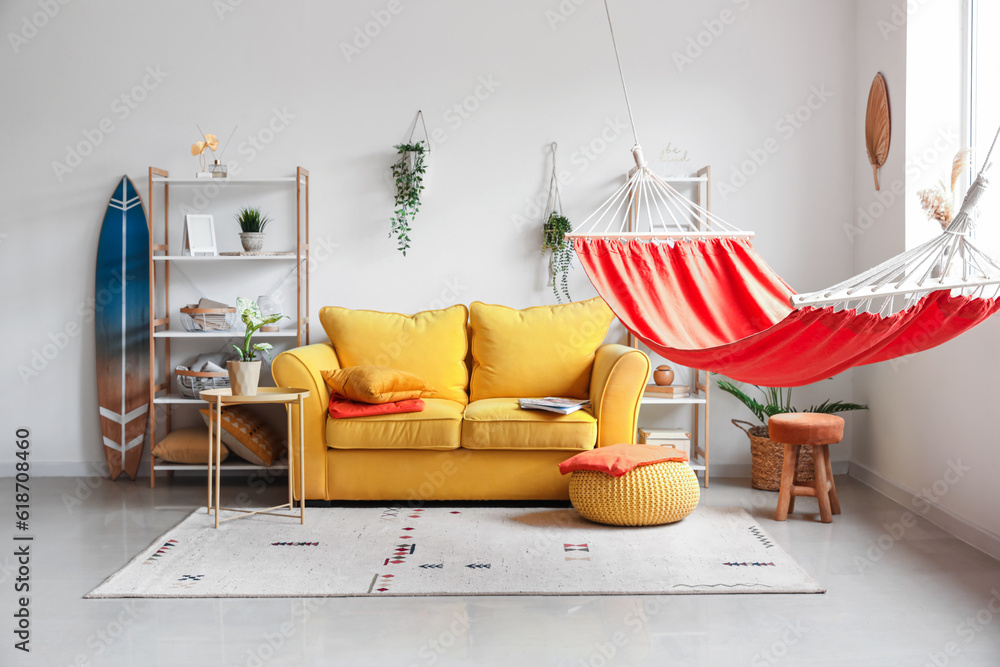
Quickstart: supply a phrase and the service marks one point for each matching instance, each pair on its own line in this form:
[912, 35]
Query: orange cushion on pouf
[806, 428]
[617, 460]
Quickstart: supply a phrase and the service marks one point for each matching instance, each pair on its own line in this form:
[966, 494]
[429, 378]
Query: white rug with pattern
[440, 550]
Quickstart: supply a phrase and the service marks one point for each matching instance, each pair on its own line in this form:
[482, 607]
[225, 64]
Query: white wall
[932, 414]
[764, 61]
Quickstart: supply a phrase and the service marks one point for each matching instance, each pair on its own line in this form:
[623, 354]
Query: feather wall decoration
[877, 125]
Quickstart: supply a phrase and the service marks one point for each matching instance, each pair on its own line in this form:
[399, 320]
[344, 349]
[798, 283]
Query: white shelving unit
[699, 400]
[161, 385]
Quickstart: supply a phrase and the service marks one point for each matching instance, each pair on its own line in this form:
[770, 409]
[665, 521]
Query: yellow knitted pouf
[648, 495]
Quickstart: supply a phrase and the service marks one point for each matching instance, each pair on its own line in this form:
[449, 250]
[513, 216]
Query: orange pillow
[341, 408]
[617, 460]
[376, 384]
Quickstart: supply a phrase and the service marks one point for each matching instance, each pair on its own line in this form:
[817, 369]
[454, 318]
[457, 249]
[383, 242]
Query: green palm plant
[777, 400]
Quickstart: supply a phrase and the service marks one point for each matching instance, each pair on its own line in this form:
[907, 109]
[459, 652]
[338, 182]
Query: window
[983, 104]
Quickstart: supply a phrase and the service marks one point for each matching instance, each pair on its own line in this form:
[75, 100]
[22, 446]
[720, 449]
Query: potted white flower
[244, 375]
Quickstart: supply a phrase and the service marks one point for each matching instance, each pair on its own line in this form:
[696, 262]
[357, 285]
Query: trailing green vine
[409, 183]
[554, 239]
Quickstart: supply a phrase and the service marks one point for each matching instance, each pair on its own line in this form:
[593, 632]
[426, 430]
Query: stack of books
[563, 406]
[670, 391]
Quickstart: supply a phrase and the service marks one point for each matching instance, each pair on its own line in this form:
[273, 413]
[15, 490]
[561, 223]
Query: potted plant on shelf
[244, 375]
[252, 223]
[767, 456]
[554, 238]
[408, 172]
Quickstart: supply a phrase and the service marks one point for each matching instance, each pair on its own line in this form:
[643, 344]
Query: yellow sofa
[472, 441]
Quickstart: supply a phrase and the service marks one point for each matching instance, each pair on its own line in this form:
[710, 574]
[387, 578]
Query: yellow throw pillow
[431, 345]
[248, 436]
[186, 445]
[540, 351]
[376, 384]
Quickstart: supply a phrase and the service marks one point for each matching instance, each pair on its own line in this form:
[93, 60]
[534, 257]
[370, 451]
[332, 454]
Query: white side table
[217, 398]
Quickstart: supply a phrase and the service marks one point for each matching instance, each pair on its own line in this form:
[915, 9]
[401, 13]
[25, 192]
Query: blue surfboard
[122, 327]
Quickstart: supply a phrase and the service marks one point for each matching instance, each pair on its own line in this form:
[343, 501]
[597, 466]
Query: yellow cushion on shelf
[437, 426]
[500, 423]
[376, 384]
[431, 345]
[186, 445]
[647, 496]
[536, 352]
[248, 436]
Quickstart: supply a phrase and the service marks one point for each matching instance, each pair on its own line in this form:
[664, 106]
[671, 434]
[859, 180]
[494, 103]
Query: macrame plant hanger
[553, 204]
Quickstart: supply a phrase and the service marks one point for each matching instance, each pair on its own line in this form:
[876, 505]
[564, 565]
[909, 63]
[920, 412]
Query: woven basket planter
[649, 495]
[768, 457]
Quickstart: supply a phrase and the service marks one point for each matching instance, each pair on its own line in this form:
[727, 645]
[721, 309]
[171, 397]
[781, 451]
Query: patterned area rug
[380, 551]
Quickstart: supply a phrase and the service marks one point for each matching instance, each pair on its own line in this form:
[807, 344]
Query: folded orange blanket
[341, 408]
[616, 460]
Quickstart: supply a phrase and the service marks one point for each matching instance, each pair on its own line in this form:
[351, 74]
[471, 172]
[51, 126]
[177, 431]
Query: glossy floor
[899, 593]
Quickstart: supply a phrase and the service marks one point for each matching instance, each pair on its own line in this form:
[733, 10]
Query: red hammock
[714, 304]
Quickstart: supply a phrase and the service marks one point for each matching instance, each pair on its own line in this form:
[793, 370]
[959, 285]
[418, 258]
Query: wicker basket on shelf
[208, 319]
[768, 457]
[191, 383]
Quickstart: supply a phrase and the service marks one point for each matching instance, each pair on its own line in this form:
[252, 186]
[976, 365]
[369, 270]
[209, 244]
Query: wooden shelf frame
[162, 393]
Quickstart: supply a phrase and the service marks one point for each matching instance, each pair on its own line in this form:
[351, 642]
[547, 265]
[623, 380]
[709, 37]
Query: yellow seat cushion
[536, 352]
[186, 445]
[438, 426]
[498, 423]
[431, 345]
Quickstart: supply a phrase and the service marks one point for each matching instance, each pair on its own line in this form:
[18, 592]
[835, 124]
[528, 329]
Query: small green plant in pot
[408, 172]
[244, 375]
[554, 238]
[252, 223]
[767, 455]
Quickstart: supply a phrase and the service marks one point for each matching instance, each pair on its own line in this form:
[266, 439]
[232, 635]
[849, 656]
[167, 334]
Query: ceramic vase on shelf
[244, 376]
[252, 241]
[663, 376]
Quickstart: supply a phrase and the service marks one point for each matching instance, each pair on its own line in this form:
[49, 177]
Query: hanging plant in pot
[408, 173]
[252, 223]
[767, 455]
[244, 375]
[554, 238]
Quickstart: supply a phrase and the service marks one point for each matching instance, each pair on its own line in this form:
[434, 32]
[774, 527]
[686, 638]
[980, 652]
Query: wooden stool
[795, 430]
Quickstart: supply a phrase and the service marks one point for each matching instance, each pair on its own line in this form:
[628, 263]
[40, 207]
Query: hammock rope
[691, 286]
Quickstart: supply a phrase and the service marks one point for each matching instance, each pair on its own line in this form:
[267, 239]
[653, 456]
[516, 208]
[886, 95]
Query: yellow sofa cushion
[431, 345]
[376, 384]
[498, 423]
[437, 426]
[536, 352]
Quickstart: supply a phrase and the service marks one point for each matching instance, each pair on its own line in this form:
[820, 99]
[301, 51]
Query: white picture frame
[199, 235]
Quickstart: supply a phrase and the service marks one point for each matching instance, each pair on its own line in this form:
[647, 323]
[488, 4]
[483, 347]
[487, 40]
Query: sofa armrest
[617, 381]
[301, 368]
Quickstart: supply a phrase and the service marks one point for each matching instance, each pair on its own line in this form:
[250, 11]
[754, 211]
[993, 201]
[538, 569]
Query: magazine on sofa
[563, 406]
